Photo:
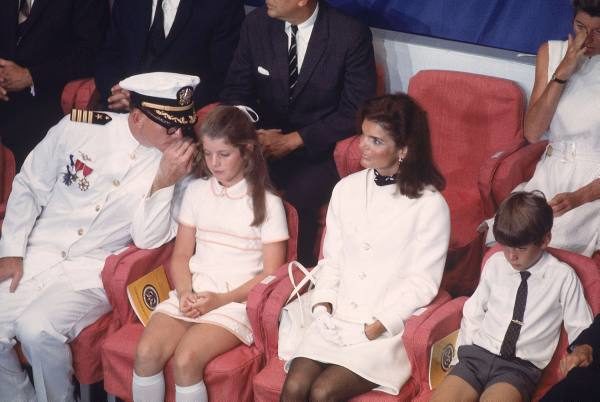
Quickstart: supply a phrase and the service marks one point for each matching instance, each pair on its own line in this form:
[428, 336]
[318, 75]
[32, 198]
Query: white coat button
[132, 156]
[353, 305]
[80, 232]
[362, 275]
[97, 208]
[63, 254]
[116, 182]
[366, 246]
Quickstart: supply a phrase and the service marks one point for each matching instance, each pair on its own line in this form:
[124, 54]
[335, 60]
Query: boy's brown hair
[523, 218]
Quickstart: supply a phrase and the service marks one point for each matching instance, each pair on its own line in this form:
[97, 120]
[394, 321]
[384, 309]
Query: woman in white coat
[388, 229]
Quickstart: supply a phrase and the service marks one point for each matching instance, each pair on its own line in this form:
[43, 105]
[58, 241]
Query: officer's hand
[177, 161]
[120, 99]
[11, 267]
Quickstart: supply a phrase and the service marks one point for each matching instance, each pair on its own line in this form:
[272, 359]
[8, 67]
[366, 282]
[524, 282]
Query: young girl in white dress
[388, 229]
[565, 108]
[232, 233]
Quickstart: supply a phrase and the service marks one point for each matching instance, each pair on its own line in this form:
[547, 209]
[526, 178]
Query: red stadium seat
[8, 174]
[227, 377]
[79, 94]
[446, 320]
[474, 121]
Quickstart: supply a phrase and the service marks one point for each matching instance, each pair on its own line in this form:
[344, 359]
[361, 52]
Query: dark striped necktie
[509, 344]
[293, 60]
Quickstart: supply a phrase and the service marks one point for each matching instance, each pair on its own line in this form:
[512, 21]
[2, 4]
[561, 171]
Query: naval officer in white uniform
[95, 183]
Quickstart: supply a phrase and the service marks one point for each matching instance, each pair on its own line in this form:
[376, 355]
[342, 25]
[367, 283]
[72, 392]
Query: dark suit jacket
[336, 77]
[58, 44]
[201, 42]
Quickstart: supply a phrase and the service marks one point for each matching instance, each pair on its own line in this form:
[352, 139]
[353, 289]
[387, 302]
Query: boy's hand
[581, 356]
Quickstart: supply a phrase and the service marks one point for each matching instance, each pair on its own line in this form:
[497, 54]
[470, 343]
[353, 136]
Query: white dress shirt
[169, 11]
[554, 295]
[80, 219]
[302, 35]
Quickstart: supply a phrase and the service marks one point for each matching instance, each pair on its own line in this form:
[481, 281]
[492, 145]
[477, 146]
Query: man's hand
[11, 267]
[276, 145]
[208, 301]
[581, 356]
[120, 99]
[564, 202]
[4, 94]
[13, 77]
[176, 162]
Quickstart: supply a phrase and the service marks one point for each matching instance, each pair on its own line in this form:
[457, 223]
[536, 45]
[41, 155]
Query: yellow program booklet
[442, 353]
[145, 293]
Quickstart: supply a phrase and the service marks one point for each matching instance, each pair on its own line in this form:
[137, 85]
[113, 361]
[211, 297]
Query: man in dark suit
[43, 45]
[582, 369]
[182, 36]
[306, 69]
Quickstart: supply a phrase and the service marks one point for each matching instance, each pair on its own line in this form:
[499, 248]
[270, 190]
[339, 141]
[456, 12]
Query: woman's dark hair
[523, 218]
[406, 122]
[234, 126]
[592, 7]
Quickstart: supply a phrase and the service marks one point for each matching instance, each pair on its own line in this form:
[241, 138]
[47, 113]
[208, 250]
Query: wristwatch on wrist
[555, 78]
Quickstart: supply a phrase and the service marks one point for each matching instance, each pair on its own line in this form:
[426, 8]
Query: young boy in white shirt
[511, 324]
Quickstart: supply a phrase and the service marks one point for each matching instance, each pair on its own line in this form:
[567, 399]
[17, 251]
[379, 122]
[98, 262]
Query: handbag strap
[308, 276]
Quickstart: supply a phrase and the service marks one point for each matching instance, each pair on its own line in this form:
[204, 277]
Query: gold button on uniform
[97, 208]
[116, 182]
[132, 156]
[80, 232]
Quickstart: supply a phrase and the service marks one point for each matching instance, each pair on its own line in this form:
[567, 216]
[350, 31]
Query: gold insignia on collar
[89, 116]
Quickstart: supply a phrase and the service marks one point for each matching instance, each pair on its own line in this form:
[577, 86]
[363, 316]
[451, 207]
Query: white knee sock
[148, 389]
[191, 393]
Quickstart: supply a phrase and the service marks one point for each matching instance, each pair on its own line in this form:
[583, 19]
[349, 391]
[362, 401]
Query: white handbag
[296, 314]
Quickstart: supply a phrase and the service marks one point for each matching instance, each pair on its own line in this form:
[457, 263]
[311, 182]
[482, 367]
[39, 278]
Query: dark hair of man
[523, 218]
[234, 126]
[406, 122]
[591, 7]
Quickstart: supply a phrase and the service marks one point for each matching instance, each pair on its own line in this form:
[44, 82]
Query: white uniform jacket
[82, 195]
[384, 253]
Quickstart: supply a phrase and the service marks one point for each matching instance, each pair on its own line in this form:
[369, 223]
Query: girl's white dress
[572, 159]
[228, 250]
[384, 255]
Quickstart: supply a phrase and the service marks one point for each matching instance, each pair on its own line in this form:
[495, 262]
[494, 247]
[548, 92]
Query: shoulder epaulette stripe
[89, 116]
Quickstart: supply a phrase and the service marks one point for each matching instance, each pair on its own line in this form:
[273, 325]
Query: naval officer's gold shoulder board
[89, 116]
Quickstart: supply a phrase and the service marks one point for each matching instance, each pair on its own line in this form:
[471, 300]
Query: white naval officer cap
[166, 98]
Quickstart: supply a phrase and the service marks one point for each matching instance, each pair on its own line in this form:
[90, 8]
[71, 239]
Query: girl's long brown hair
[232, 125]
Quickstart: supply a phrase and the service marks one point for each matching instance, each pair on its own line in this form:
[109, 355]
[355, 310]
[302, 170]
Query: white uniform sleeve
[422, 280]
[154, 221]
[274, 228]
[328, 278]
[577, 314]
[31, 191]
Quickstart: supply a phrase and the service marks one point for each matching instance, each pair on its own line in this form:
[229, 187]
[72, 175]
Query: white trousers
[45, 313]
